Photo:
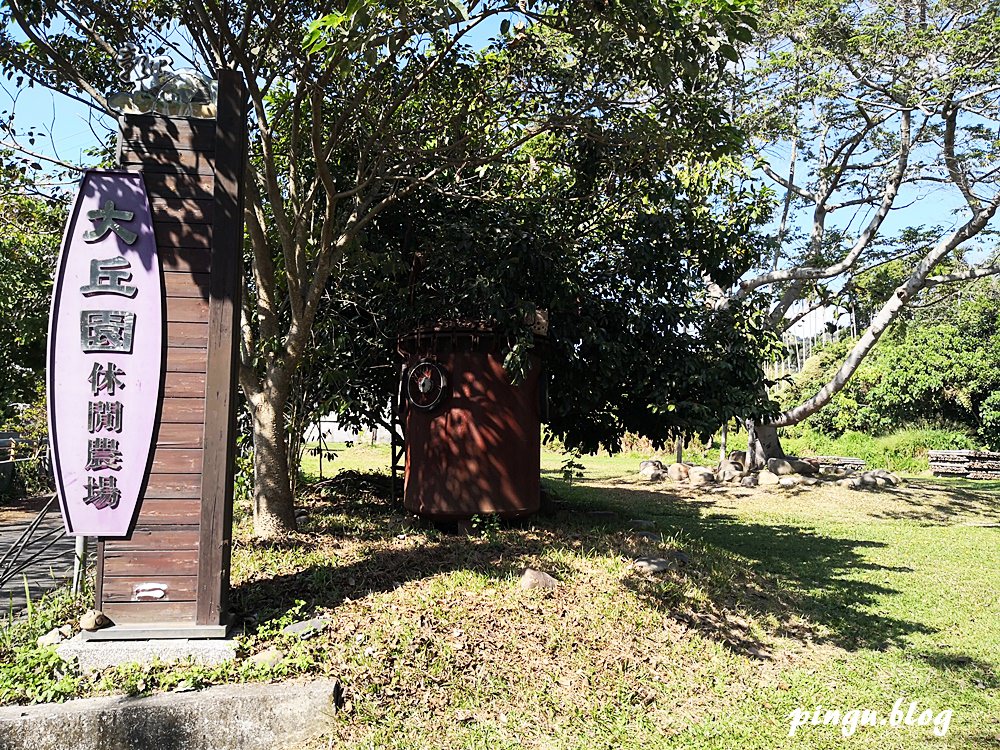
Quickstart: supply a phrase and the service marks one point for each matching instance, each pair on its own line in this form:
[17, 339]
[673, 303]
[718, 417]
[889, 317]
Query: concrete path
[51, 569]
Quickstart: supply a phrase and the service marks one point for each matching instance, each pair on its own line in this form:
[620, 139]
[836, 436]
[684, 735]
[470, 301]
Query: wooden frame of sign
[170, 577]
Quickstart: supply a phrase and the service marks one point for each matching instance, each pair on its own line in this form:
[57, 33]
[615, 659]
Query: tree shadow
[751, 572]
[935, 502]
[809, 574]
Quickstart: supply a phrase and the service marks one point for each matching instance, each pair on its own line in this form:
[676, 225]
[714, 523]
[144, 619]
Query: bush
[903, 450]
[30, 673]
[31, 477]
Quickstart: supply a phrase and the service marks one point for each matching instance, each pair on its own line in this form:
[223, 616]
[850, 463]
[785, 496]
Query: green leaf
[460, 8]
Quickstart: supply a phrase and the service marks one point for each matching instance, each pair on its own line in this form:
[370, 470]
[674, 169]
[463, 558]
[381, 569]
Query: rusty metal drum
[472, 436]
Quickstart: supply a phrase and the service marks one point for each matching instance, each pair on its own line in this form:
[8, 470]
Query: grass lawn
[816, 597]
[776, 600]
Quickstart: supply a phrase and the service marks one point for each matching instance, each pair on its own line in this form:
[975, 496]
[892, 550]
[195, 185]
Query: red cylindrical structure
[477, 450]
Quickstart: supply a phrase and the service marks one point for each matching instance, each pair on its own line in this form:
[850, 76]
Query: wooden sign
[105, 355]
[169, 577]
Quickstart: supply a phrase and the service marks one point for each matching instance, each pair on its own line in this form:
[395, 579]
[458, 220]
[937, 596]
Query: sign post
[145, 445]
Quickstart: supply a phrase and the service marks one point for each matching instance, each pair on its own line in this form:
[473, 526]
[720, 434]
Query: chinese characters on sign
[105, 354]
[104, 331]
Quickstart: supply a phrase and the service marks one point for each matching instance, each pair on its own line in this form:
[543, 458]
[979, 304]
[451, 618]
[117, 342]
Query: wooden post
[193, 170]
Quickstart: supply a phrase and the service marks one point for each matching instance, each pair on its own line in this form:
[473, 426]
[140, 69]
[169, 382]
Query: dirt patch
[24, 509]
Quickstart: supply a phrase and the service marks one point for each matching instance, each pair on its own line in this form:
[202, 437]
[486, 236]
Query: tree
[385, 101]
[632, 346]
[29, 242]
[863, 111]
[938, 364]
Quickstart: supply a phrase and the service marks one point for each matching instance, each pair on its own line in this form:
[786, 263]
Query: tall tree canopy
[361, 107]
[633, 345]
[877, 121]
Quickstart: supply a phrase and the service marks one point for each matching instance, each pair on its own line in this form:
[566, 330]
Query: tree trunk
[274, 511]
[762, 443]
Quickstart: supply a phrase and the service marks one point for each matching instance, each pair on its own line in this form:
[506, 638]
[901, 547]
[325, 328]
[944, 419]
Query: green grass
[817, 597]
[902, 451]
[785, 599]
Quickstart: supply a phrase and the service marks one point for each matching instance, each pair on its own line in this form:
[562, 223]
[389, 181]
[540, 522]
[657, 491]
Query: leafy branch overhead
[561, 112]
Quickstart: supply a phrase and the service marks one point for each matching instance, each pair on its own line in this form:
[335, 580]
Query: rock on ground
[653, 565]
[699, 475]
[750, 480]
[728, 471]
[678, 472]
[52, 638]
[803, 467]
[536, 579]
[270, 658]
[779, 466]
[767, 477]
[94, 619]
[648, 468]
[306, 628]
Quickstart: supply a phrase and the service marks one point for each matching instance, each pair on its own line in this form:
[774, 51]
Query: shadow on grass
[810, 574]
[940, 501]
[766, 572]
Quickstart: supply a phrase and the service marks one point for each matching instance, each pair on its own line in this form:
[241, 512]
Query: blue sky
[71, 128]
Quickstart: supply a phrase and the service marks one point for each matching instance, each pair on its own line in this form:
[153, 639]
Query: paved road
[51, 569]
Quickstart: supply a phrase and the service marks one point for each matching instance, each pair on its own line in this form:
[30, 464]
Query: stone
[681, 557]
[641, 524]
[658, 476]
[94, 619]
[306, 628]
[678, 472]
[766, 477]
[779, 466]
[808, 481]
[653, 565]
[536, 579]
[93, 655]
[699, 475]
[853, 483]
[66, 630]
[890, 479]
[52, 638]
[868, 479]
[647, 536]
[728, 471]
[246, 716]
[268, 658]
[803, 467]
[647, 468]
[880, 482]
[750, 480]
[738, 457]
[788, 482]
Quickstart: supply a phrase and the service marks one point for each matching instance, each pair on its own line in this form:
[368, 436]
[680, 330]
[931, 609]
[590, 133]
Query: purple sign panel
[105, 355]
